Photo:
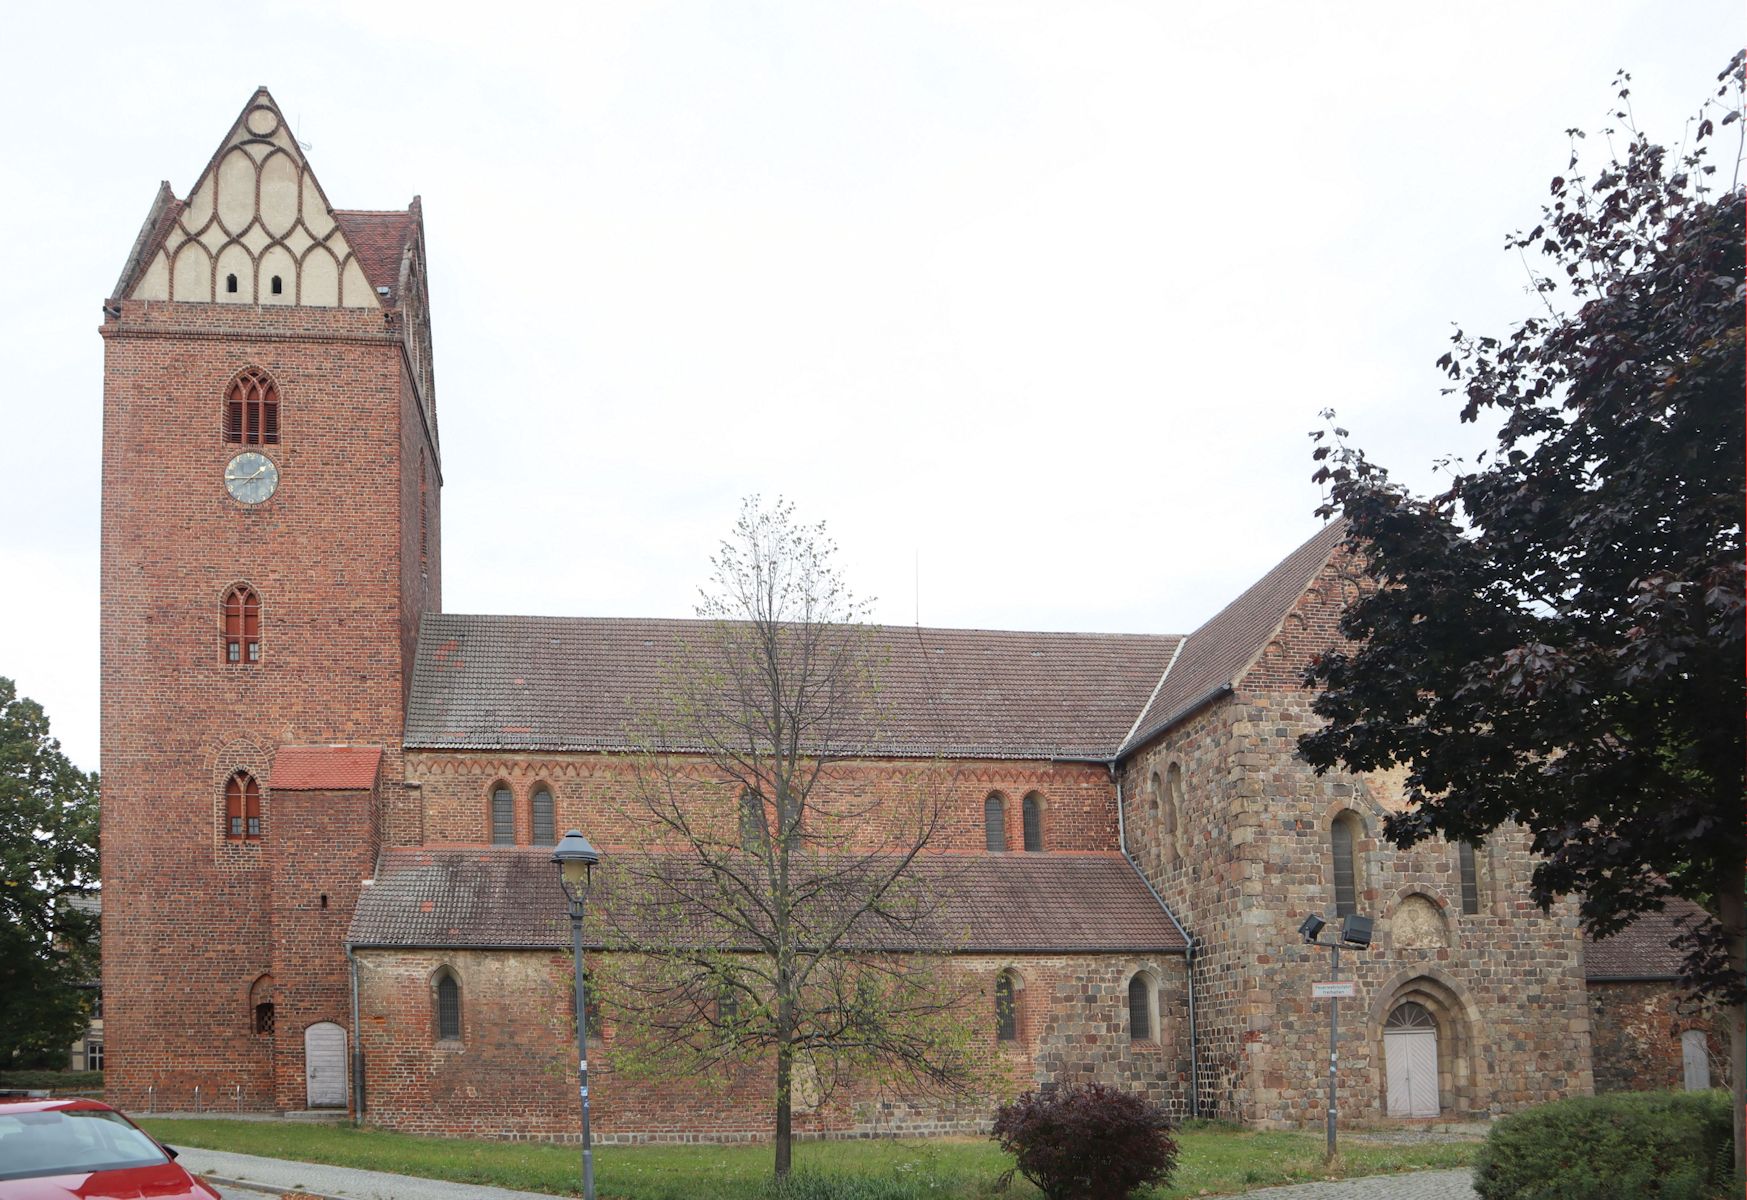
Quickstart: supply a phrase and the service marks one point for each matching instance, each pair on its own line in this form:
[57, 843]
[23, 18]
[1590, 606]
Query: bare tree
[783, 918]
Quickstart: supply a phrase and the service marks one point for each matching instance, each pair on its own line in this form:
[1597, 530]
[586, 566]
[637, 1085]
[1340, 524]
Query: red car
[60, 1149]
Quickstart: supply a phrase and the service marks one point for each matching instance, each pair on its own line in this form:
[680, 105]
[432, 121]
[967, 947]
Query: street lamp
[575, 860]
[1355, 932]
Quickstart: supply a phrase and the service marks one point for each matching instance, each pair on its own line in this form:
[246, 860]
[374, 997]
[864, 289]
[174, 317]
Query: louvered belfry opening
[251, 410]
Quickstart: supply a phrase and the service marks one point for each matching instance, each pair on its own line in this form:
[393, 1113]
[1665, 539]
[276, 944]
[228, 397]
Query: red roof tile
[325, 768]
[1217, 654]
[508, 897]
[1643, 949]
[378, 239]
[571, 683]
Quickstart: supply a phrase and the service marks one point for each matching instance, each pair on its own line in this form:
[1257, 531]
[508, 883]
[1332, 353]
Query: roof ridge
[897, 628]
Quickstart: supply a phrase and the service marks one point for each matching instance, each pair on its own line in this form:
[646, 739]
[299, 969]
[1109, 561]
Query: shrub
[60, 1081]
[1661, 1145]
[1087, 1143]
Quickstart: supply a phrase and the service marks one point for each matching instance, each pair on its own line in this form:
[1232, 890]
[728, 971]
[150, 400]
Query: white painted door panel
[324, 1065]
[1411, 1057]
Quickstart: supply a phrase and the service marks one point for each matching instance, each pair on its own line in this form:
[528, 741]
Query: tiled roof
[1217, 654]
[1643, 949]
[325, 768]
[569, 683]
[379, 240]
[508, 897]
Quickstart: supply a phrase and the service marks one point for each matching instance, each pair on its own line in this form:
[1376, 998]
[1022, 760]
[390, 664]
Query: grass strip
[1214, 1160]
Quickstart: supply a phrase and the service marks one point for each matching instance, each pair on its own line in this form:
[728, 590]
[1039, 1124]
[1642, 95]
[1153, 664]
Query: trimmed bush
[60, 1081]
[1087, 1143]
[1661, 1145]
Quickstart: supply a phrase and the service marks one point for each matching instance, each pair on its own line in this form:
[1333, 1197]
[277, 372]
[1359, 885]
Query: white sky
[1041, 296]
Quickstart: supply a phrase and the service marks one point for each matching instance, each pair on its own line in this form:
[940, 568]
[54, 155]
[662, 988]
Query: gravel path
[1415, 1185]
[240, 1175]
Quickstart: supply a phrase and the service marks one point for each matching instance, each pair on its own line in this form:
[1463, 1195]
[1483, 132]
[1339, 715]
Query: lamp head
[1313, 925]
[575, 860]
[1356, 930]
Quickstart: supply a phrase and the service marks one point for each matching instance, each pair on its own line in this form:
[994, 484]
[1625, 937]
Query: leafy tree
[780, 919]
[1556, 639]
[48, 854]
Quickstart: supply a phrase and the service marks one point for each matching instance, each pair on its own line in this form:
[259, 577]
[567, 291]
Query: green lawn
[1213, 1161]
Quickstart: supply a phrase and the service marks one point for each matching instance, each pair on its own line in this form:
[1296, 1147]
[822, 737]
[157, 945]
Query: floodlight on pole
[1355, 932]
[576, 861]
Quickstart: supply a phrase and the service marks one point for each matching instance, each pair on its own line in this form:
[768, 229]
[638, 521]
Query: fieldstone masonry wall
[1248, 856]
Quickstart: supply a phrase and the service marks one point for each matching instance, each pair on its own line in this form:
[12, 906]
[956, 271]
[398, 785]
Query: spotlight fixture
[1356, 930]
[1313, 925]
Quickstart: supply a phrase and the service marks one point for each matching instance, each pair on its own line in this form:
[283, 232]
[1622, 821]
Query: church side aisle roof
[583, 684]
[507, 897]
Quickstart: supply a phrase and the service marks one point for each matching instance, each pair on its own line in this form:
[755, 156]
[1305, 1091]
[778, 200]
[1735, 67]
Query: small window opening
[545, 828]
[503, 817]
[264, 1019]
[995, 822]
[278, 285]
[1470, 878]
[1006, 1013]
[727, 1007]
[1031, 808]
[240, 625]
[230, 283]
[1140, 1009]
[448, 1009]
[242, 808]
[1346, 871]
[324, 899]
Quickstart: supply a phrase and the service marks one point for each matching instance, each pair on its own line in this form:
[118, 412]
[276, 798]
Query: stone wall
[509, 1076]
[1250, 858]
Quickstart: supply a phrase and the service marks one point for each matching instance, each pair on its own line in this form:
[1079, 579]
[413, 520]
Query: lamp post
[1355, 932]
[575, 860]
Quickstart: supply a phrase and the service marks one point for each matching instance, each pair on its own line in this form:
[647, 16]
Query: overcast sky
[1034, 303]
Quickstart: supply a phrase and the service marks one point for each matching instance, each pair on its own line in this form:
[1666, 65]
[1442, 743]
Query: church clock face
[251, 477]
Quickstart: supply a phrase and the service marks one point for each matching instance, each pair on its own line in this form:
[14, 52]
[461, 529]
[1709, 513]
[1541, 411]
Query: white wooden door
[1695, 1058]
[1412, 1059]
[324, 1065]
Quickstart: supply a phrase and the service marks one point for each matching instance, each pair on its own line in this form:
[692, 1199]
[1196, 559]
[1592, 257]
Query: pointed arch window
[1171, 811]
[503, 816]
[995, 822]
[242, 808]
[251, 410]
[1031, 809]
[240, 625]
[545, 828]
[448, 1007]
[752, 821]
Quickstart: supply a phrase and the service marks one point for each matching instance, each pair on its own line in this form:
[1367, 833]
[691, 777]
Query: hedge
[1654, 1145]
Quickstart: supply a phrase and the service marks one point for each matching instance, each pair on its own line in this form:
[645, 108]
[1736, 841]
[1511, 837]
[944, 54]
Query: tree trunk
[784, 1107]
[1732, 912]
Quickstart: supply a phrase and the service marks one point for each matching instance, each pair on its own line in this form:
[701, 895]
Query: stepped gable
[1644, 949]
[578, 683]
[1218, 654]
[507, 897]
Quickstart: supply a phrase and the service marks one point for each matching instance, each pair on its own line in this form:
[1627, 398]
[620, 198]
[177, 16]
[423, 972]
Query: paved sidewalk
[275, 1175]
[1415, 1185]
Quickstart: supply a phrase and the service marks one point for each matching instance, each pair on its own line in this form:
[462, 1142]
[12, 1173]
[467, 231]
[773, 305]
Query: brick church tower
[270, 540]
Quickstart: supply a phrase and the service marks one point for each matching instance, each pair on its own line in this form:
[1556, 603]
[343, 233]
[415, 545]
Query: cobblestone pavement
[1415, 1185]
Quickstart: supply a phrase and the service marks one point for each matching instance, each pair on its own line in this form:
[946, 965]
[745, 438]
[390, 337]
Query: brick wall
[1638, 1025]
[187, 915]
[510, 1074]
[597, 793]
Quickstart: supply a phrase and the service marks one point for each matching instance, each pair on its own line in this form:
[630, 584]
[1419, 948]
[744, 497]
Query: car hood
[162, 1181]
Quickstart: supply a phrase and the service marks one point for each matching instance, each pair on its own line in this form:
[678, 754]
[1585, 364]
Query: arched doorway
[1410, 1056]
[324, 1065]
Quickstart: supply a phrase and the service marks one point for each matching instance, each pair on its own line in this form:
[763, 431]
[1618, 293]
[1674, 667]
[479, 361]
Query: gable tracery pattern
[256, 216]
